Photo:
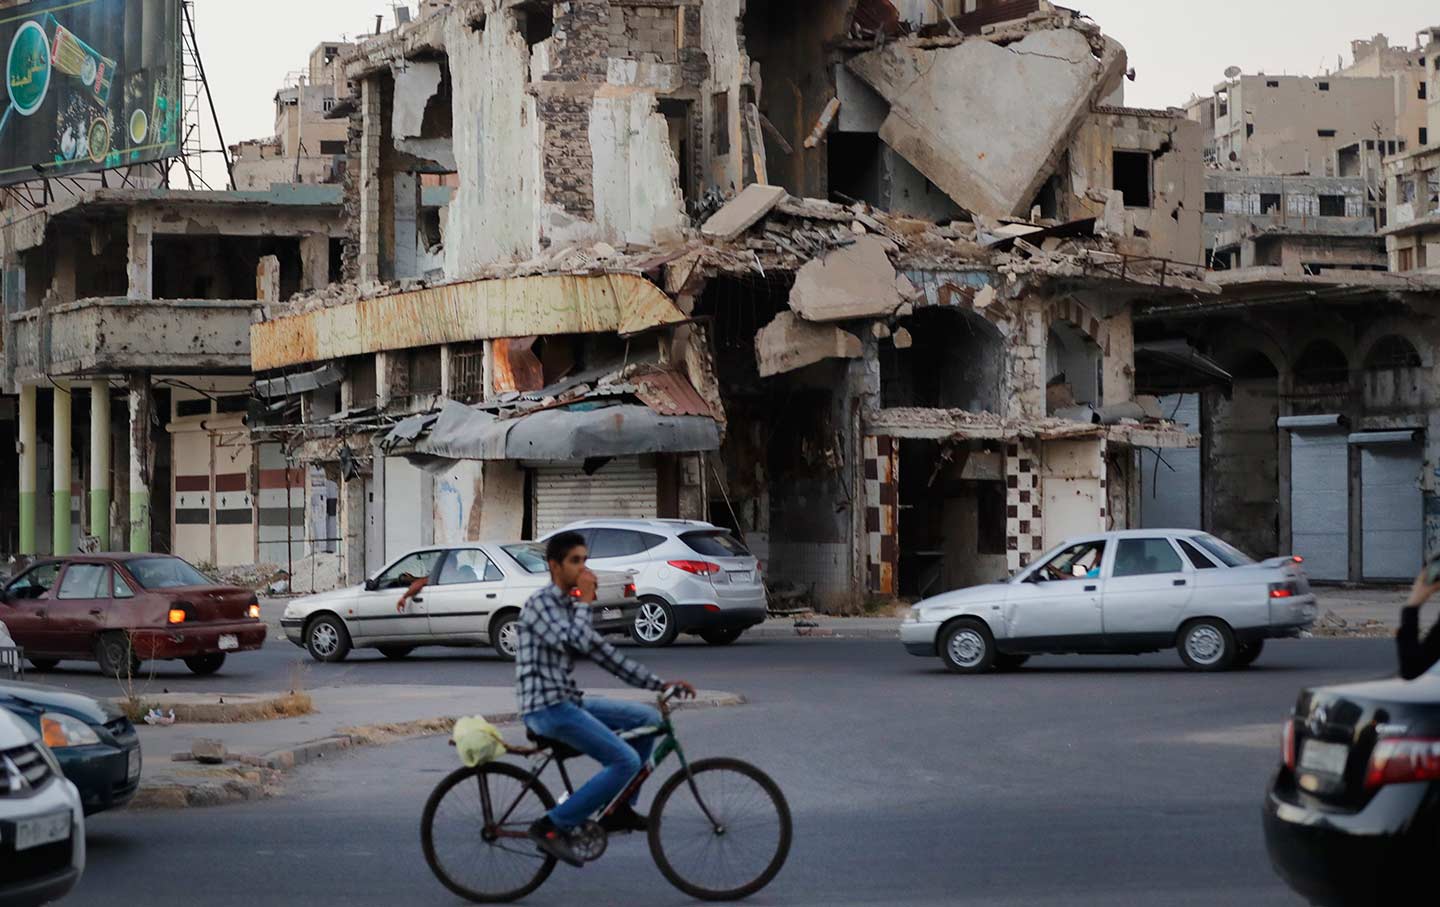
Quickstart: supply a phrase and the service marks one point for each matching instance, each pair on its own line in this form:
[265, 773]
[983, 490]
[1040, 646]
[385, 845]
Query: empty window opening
[1271, 83]
[1269, 203]
[957, 361]
[1332, 206]
[1323, 86]
[1132, 177]
[855, 167]
[1214, 203]
[221, 267]
[1073, 363]
[1249, 130]
[536, 21]
[1392, 352]
[1322, 362]
[721, 102]
[332, 146]
[1424, 90]
[1325, 133]
[953, 514]
[677, 118]
[1424, 136]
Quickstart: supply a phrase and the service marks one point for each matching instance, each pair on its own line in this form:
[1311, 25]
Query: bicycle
[691, 838]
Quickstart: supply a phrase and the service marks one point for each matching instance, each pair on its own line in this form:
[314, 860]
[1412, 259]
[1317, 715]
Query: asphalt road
[1100, 781]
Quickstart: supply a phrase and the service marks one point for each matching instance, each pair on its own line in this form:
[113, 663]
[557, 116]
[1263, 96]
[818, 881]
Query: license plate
[739, 576]
[1325, 758]
[610, 614]
[132, 767]
[33, 833]
[229, 641]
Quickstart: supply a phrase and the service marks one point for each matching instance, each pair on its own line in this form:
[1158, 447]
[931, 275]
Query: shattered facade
[856, 282]
[127, 352]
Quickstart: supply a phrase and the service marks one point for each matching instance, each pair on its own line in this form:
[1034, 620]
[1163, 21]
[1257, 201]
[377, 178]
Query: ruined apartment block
[127, 352]
[748, 263]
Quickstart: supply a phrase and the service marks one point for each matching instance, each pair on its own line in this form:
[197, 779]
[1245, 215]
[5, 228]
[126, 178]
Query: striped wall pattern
[882, 514]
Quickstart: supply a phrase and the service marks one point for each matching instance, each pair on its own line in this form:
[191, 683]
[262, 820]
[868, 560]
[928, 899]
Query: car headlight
[63, 730]
[915, 614]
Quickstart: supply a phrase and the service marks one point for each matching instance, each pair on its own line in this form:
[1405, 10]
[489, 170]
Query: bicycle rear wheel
[474, 833]
[736, 855]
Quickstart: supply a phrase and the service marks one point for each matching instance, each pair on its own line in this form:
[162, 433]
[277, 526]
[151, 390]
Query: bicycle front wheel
[475, 833]
[733, 851]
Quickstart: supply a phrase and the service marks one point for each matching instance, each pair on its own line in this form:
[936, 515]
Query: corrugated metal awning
[1399, 436]
[300, 383]
[1329, 420]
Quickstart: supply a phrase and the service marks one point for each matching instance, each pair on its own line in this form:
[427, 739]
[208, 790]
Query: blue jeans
[590, 728]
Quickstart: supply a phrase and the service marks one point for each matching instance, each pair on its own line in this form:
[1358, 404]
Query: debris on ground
[1332, 625]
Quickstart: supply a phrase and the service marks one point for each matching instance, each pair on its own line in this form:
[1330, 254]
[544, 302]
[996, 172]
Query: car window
[1080, 561]
[165, 573]
[408, 569]
[1197, 560]
[118, 587]
[1223, 551]
[617, 543]
[35, 582]
[530, 557]
[468, 565]
[715, 543]
[83, 581]
[1145, 557]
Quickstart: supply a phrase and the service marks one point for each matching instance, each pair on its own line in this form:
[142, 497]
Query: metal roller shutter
[1392, 510]
[621, 489]
[1320, 502]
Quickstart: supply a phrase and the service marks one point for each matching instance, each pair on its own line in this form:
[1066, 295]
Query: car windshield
[1224, 552]
[165, 573]
[715, 543]
[530, 557]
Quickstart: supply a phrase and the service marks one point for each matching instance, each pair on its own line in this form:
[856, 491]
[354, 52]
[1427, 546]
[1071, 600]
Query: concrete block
[743, 212]
[208, 750]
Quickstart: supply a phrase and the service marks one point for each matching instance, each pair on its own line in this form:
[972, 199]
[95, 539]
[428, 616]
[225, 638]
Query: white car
[473, 597]
[690, 577]
[42, 824]
[1120, 592]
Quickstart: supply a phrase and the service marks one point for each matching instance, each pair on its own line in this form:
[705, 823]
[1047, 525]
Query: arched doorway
[1241, 499]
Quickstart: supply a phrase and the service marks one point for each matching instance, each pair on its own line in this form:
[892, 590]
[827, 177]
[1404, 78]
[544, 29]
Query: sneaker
[625, 819]
[554, 841]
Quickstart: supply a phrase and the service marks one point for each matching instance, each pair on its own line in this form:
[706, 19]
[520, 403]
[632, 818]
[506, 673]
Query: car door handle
[1179, 582]
[1092, 588]
[40, 613]
[96, 612]
[490, 595]
[418, 600]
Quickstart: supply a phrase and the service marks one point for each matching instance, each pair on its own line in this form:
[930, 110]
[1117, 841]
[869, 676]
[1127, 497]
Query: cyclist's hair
[558, 548]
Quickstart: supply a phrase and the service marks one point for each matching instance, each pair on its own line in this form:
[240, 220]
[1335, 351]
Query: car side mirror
[371, 585]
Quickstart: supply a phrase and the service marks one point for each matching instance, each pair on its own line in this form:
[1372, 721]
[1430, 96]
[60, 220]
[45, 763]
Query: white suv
[42, 824]
[690, 577]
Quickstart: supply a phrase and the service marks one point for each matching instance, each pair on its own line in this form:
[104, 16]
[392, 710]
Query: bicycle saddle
[560, 750]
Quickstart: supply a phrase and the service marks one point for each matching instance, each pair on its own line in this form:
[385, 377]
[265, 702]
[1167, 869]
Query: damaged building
[127, 365]
[729, 261]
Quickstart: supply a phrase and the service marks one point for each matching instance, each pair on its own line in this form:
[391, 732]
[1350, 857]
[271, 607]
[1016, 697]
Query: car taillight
[254, 612]
[699, 568]
[1298, 559]
[1399, 761]
[177, 615]
[629, 590]
[1281, 590]
[1287, 744]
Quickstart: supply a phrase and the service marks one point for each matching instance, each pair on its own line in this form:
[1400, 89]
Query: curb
[892, 634]
[260, 776]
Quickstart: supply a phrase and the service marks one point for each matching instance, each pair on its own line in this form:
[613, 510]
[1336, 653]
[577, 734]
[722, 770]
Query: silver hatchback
[690, 577]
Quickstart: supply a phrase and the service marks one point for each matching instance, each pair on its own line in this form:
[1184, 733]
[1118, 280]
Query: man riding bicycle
[554, 626]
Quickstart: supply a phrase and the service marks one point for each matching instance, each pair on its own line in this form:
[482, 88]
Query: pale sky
[1178, 47]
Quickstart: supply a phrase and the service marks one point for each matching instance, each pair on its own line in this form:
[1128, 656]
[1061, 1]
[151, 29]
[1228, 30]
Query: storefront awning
[1397, 436]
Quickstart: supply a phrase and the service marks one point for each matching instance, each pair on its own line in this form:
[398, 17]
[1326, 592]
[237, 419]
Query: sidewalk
[257, 753]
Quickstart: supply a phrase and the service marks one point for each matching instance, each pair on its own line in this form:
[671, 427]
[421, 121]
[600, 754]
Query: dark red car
[121, 609]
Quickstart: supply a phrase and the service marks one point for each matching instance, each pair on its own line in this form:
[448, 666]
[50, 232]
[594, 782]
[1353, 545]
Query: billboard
[90, 85]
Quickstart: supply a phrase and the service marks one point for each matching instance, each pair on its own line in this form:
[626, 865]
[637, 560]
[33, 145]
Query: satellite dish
[1232, 72]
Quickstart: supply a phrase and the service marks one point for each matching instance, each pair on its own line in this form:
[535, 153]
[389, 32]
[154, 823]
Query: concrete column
[100, 461]
[407, 225]
[141, 403]
[315, 261]
[60, 521]
[372, 134]
[62, 284]
[29, 470]
[139, 268]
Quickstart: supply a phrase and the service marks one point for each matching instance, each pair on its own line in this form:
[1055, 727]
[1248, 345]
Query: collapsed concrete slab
[742, 212]
[853, 281]
[983, 122]
[787, 343]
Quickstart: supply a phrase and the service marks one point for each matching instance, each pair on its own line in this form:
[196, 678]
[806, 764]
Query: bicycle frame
[666, 744]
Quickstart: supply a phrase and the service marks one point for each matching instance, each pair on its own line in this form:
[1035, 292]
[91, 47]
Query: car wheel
[968, 648]
[1010, 662]
[116, 656]
[326, 639]
[1246, 655]
[44, 664]
[505, 636]
[1207, 645]
[396, 652]
[720, 637]
[654, 623]
[206, 664]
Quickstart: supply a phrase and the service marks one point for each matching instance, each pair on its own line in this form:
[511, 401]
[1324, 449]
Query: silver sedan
[1120, 592]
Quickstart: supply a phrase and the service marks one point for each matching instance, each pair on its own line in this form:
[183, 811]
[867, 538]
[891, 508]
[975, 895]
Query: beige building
[308, 146]
[1377, 58]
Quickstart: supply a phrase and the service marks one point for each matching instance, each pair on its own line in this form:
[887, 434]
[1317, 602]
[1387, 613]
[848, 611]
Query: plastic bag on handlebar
[477, 741]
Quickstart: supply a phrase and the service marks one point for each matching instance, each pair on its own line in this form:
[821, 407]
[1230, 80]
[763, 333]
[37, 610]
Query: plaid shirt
[552, 631]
